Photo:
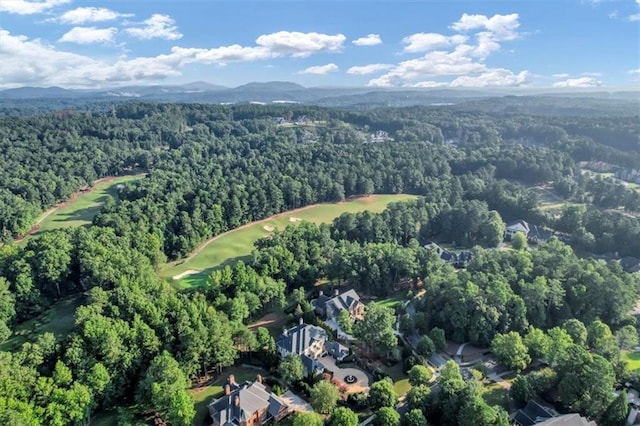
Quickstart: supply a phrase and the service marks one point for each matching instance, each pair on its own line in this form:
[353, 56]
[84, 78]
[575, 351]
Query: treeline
[199, 148]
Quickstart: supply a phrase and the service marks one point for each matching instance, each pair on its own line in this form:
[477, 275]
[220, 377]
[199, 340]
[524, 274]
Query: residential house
[247, 404]
[379, 136]
[329, 307]
[572, 419]
[281, 120]
[533, 413]
[458, 260]
[310, 343]
[514, 227]
[535, 234]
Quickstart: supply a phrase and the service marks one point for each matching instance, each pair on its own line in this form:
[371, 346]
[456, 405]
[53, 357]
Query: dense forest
[213, 168]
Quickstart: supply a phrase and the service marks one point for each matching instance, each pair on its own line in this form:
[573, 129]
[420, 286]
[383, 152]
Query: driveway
[295, 403]
[362, 380]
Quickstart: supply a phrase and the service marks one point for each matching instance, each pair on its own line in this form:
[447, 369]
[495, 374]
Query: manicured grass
[203, 395]
[494, 394]
[58, 319]
[392, 301]
[82, 210]
[632, 359]
[401, 386]
[238, 244]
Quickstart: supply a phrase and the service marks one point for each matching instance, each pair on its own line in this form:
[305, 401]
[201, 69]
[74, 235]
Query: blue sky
[454, 43]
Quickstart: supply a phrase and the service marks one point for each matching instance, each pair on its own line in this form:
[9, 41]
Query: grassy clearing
[203, 395]
[392, 302]
[494, 394]
[632, 359]
[58, 319]
[82, 210]
[238, 244]
[401, 386]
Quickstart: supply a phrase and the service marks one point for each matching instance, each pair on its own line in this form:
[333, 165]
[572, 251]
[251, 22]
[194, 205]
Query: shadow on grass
[86, 214]
[200, 279]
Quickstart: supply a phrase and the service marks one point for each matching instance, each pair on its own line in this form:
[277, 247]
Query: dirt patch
[294, 219]
[268, 228]
[185, 274]
[269, 320]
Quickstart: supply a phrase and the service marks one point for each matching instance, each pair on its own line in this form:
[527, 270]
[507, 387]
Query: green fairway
[82, 209]
[59, 319]
[237, 244]
[632, 359]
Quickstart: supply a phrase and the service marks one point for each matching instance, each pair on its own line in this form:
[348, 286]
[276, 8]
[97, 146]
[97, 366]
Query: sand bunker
[185, 274]
[268, 228]
[294, 219]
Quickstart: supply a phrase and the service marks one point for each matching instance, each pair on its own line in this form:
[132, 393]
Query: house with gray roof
[329, 307]
[310, 343]
[247, 404]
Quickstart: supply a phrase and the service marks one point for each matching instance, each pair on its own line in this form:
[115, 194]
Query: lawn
[632, 359]
[83, 208]
[203, 395]
[59, 319]
[494, 394]
[238, 244]
[392, 301]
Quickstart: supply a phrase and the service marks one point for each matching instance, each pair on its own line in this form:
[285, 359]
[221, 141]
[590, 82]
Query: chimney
[336, 292]
[321, 293]
[232, 379]
[227, 390]
[259, 378]
[236, 401]
[301, 321]
[285, 332]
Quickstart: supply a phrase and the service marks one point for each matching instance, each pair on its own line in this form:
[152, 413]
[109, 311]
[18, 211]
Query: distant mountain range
[284, 92]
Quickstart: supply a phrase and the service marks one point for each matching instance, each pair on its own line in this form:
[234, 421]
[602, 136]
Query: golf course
[82, 207]
[237, 244]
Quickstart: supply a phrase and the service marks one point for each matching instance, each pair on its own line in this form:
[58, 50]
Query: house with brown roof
[247, 404]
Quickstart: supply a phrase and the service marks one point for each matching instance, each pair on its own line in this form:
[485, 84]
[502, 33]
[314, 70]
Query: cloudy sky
[447, 43]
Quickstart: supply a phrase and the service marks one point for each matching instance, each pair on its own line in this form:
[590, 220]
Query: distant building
[247, 404]
[379, 136]
[533, 413]
[535, 234]
[458, 260]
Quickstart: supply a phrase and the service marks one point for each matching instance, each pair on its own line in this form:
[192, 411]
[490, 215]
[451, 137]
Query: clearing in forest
[237, 244]
[82, 207]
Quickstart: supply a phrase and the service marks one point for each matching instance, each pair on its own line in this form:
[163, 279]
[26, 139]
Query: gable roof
[568, 420]
[339, 302]
[336, 350]
[532, 413]
[538, 233]
[519, 225]
[243, 401]
[299, 338]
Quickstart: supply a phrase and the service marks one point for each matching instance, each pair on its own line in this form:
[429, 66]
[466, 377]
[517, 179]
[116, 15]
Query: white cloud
[578, 82]
[592, 74]
[498, 77]
[87, 35]
[157, 26]
[299, 44]
[31, 62]
[223, 54]
[25, 7]
[634, 18]
[320, 69]
[561, 75]
[502, 27]
[369, 40]
[422, 42]
[368, 69]
[82, 15]
[635, 71]
[429, 84]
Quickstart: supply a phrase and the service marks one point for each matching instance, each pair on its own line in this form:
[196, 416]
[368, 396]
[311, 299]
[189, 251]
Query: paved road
[340, 373]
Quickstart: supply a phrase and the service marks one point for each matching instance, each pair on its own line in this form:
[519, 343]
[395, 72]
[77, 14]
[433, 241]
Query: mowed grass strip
[82, 209]
[632, 359]
[238, 244]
